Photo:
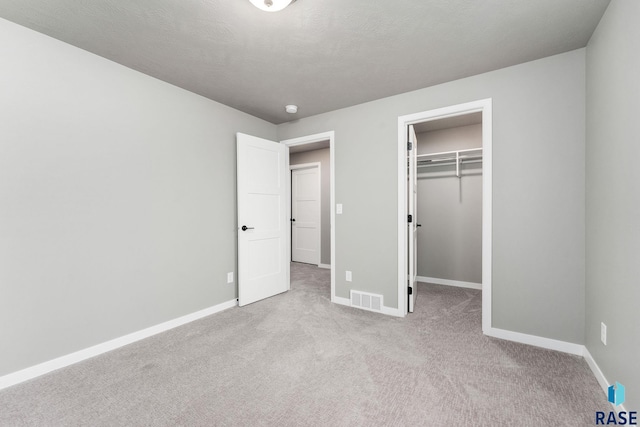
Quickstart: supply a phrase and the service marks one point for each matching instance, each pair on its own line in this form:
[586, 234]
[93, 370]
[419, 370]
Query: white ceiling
[319, 54]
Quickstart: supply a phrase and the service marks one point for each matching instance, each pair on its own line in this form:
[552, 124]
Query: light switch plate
[230, 277]
[339, 208]
[348, 276]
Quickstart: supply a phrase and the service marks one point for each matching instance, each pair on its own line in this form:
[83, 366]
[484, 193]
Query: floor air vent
[366, 301]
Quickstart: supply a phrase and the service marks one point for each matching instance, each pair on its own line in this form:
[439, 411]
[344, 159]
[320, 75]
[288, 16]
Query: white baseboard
[604, 384]
[602, 380]
[395, 312]
[548, 343]
[327, 266]
[341, 301]
[563, 346]
[447, 282]
[78, 356]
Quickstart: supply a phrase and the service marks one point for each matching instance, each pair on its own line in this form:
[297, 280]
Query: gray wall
[322, 156]
[613, 196]
[117, 199]
[450, 209]
[538, 190]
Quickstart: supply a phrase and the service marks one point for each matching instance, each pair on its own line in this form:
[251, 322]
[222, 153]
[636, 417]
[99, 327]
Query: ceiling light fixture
[271, 5]
[291, 109]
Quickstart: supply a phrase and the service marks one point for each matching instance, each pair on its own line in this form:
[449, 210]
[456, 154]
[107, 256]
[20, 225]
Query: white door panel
[306, 238]
[305, 214]
[262, 202]
[307, 182]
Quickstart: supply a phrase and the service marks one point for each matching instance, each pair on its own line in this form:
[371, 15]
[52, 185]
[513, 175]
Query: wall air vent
[366, 301]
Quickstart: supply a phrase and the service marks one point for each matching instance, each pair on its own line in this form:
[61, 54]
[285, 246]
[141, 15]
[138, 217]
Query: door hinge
[410, 290]
[409, 146]
[410, 218]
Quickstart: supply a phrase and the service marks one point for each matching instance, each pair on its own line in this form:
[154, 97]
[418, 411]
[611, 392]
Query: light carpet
[298, 360]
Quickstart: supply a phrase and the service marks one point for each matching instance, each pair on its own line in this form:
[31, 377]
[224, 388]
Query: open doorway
[446, 155]
[449, 201]
[312, 190]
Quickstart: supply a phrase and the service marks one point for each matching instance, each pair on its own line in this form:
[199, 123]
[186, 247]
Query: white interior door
[412, 209]
[305, 215]
[263, 220]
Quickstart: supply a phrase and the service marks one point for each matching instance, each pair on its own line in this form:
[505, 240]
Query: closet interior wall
[450, 209]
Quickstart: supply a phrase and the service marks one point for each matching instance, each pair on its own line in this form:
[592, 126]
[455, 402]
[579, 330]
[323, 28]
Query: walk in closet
[449, 201]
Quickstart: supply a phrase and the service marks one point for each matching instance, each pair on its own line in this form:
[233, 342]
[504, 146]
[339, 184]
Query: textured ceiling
[319, 54]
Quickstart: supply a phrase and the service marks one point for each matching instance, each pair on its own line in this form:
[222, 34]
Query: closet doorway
[444, 227]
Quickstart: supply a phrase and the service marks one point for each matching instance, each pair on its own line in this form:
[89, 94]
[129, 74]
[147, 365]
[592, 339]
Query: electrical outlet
[348, 276]
[230, 277]
[603, 333]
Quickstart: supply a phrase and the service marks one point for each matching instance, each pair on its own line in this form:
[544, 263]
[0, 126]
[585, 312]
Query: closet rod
[450, 159]
[449, 163]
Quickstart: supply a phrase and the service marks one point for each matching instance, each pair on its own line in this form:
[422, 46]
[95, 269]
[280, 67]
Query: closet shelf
[472, 155]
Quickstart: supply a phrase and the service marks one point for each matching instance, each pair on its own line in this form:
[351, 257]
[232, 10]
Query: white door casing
[412, 209]
[305, 213]
[263, 220]
[484, 106]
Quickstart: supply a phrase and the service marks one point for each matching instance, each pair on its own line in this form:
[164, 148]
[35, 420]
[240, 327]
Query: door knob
[293, 220]
[245, 228]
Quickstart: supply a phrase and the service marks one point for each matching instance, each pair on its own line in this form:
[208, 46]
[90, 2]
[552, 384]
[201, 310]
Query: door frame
[412, 227]
[485, 107]
[310, 139]
[311, 165]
